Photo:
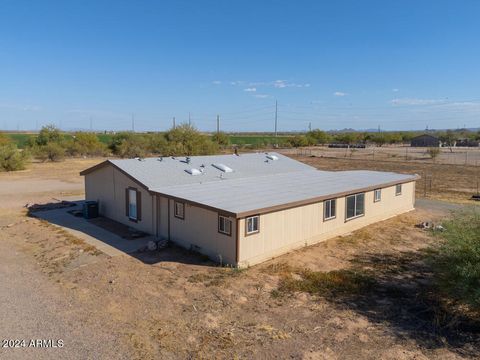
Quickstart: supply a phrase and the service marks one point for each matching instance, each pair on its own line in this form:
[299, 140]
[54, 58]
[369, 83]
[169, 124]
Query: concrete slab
[105, 241]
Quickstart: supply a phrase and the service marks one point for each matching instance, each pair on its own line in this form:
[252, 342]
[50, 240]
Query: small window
[330, 209]
[398, 189]
[179, 210]
[132, 204]
[224, 225]
[253, 224]
[377, 195]
[355, 206]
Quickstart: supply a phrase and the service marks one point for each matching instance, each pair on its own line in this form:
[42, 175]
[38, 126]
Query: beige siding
[107, 186]
[199, 231]
[284, 230]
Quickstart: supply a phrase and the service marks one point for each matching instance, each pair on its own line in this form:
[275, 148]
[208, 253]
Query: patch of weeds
[281, 268]
[337, 282]
[217, 277]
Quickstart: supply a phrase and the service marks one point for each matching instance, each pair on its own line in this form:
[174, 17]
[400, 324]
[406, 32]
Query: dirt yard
[175, 304]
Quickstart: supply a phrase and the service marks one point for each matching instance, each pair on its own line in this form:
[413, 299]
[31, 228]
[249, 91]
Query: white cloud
[261, 96]
[395, 90]
[250, 89]
[280, 84]
[414, 101]
[339, 93]
[216, 82]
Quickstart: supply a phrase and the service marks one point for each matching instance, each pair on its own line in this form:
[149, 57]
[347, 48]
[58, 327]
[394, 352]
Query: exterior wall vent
[193, 171]
[223, 167]
[272, 157]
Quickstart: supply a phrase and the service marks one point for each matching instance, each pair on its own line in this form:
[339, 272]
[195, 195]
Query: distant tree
[52, 151]
[298, 141]
[85, 144]
[48, 134]
[317, 136]
[346, 138]
[187, 140]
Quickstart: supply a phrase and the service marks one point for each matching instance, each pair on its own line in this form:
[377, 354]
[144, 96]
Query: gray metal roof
[243, 195]
[154, 173]
[256, 183]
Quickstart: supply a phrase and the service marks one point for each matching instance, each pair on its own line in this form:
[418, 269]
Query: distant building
[425, 140]
[467, 143]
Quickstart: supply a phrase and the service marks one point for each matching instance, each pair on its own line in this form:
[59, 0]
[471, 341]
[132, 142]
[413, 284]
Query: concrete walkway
[104, 240]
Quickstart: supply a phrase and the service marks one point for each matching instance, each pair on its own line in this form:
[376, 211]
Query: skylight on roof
[223, 167]
[272, 157]
[193, 171]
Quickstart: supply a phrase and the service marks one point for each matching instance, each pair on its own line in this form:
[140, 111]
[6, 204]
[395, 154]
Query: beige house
[242, 210]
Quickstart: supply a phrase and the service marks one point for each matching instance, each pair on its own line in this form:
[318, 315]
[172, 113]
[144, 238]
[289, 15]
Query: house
[244, 209]
[425, 140]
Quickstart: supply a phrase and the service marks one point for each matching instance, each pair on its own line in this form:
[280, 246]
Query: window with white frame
[398, 189]
[252, 224]
[179, 210]
[224, 225]
[377, 195]
[329, 209]
[132, 204]
[355, 205]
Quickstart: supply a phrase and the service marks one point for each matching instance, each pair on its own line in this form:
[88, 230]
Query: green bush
[187, 140]
[298, 141]
[4, 140]
[50, 152]
[12, 159]
[85, 144]
[49, 134]
[456, 260]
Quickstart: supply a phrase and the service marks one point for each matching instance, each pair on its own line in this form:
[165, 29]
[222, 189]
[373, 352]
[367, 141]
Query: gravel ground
[32, 307]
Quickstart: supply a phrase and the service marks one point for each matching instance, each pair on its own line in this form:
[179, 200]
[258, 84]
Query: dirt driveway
[174, 304]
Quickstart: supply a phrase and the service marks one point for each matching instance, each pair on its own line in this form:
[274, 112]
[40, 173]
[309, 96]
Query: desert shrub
[157, 144]
[12, 159]
[4, 140]
[51, 151]
[456, 260]
[187, 140]
[298, 141]
[433, 152]
[49, 134]
[221, 139]
[135, 146]
[85, 144]
[317, 136]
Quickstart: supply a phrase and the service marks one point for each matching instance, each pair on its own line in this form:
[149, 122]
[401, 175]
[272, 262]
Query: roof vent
[193, 171]
[272, 157]
[222, 167]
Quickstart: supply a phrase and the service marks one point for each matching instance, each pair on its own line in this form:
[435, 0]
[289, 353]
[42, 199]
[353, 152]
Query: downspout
[168, 203]
[237, 243]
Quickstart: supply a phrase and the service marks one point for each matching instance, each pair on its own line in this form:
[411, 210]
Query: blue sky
[336, 64]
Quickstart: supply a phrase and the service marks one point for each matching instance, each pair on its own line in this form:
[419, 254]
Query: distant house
[425, 140]
[467, 143]
[244, 209]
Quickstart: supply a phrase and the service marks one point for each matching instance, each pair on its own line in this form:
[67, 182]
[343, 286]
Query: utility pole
[310, 126]
[218, 124]
[133, 122]
[174, 122]
[378, 128]
[276, 116]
